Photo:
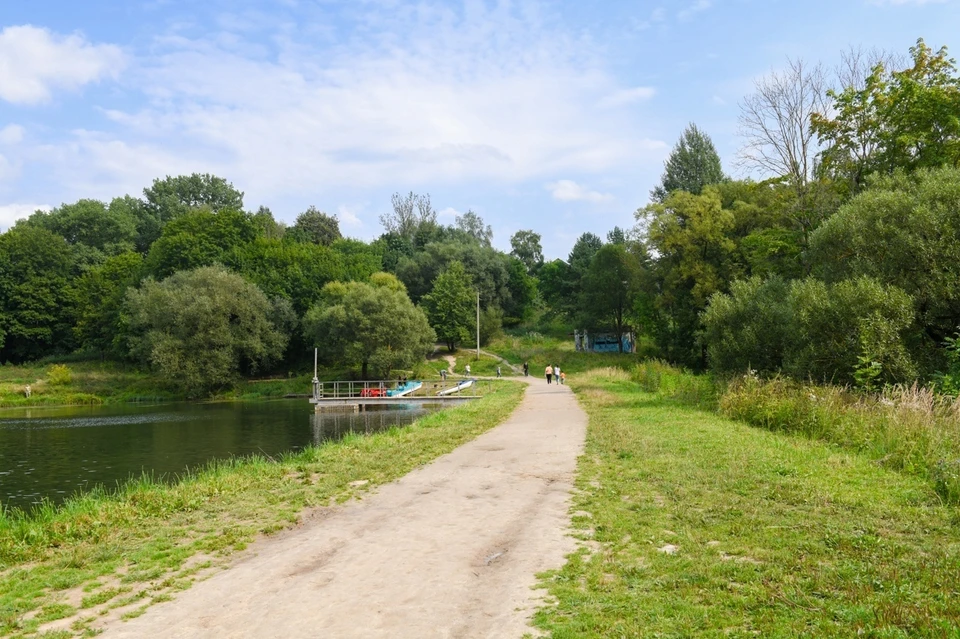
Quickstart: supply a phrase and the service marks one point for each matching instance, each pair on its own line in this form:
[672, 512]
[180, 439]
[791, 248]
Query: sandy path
[449, 550]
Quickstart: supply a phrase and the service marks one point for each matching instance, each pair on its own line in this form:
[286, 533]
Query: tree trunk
[363, 370]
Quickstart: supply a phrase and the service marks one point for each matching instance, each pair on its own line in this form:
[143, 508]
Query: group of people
[554, 374]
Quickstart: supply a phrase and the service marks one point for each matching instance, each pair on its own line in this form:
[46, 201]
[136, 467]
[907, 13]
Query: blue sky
[551, 116]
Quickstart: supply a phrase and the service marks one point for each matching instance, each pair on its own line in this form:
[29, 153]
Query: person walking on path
[549, 372]
[498, 373]
[467, 369]
[556, 373]
[526, 369]
[443, 374]
[563, 378]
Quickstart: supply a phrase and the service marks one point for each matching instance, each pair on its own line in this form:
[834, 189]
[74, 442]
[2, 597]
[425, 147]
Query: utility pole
[478, 324]
[316, 382]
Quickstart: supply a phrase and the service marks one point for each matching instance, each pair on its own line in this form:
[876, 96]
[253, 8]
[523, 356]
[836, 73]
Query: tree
[374, 325]
[690, 234]
[775, 120]
[171, 197]
[609, 287]
[317, 227]
[894, 119]
[616, 236]
[201, 329]
[749, 328]
[582, 253]
[35, 301]
[95, 230]
[903, 230]
[411, 214]
[693, 164]
[526, 248]
[199, 238]
[472, 224]
[450, 306]
[269, 227]
[100, 293]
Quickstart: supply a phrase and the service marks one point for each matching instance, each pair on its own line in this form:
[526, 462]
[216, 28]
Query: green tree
[903, 230]
[526, 247]
[95, 230]
[412, 214]
[839, 328]
[316, 226]
[269, 227]
[609, 287]
[200, 237]
[202, 329]
[101, 293]
[693, 164]
[171, 197]
[35, 301]
[690, 234]
[450, 306]
[374, 325]
[472, 225]
[749, 328]
[896, 119]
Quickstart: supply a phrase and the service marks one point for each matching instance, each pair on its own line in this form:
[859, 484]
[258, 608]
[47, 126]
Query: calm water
[55, 453]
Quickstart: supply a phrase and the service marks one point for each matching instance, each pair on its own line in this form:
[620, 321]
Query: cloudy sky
[552, 116]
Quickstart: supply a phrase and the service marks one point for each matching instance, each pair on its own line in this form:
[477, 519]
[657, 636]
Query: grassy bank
[539, 351]
[703, 526]
[65, 570]
[81, 383]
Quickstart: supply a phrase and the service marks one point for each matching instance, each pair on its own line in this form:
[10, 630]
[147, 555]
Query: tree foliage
[201, 329]
[450, 306]
[693, 164]
[526, 247]
[609, 288]
[317, 227]
[372, 325]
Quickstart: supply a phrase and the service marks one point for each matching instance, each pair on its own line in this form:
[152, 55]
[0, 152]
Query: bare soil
[450, 550]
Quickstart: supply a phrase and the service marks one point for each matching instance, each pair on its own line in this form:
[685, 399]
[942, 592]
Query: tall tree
[374, 325]
[199, 238]
[450, 306]
[526, 247]
[609, 287]
[693, 164]
[95, 230]
[412, 214]
[472, 224]
[316, 226]
[101, 293]
[171, 197]
[35, 301]
[201, 329]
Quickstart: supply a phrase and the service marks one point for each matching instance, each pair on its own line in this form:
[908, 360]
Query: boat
[404, 389]
[467, 383]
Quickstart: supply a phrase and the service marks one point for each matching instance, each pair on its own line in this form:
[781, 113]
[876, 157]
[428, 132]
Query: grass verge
[106, 554]
[696, 525]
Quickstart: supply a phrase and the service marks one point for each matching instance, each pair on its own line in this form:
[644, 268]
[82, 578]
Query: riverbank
[100, 556]
[696, 525]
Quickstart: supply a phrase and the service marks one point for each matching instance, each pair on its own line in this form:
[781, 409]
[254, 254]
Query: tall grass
[907, 428]
[670, 382]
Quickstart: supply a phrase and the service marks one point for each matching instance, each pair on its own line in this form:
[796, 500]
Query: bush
[59, 375]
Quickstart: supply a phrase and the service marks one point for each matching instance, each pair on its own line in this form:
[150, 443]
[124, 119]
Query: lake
[54, 453]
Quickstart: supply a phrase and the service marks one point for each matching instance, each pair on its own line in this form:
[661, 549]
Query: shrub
[59, 375]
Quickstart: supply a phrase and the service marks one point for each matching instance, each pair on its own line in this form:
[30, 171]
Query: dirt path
[450, 550]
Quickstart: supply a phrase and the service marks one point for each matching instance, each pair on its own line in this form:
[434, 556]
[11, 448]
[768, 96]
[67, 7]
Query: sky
[550, 116]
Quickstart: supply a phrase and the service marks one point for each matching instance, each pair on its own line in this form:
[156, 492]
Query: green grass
[88, 383]
[155, 537]
[773, 535]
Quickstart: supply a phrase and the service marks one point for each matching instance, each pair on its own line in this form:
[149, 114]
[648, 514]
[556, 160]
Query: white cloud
[570, 191]
[10, 213]
[624, 97]
[348, 217]
[491, 95]
[697, 7]
[34, 62]
[449, 213]
[11, 134]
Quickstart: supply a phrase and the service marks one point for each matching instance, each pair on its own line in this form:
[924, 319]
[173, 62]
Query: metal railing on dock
[387, 392]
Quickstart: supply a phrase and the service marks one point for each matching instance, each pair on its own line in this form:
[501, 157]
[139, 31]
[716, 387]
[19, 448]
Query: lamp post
[478, 324]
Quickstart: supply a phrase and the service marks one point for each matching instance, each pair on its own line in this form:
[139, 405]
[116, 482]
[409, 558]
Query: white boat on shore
[467, 383]
[404, 389]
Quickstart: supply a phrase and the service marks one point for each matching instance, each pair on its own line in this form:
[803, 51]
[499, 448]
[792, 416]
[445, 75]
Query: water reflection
[54, 453]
